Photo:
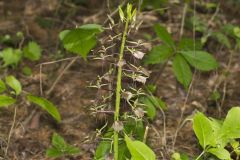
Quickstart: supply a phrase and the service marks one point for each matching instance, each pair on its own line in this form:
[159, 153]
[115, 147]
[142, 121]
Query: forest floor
[42, 21]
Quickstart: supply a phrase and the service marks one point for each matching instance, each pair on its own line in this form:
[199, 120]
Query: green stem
[118, 88]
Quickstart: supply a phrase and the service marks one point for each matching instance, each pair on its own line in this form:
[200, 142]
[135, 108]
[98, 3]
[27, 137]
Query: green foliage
[151, 103]
[60, 148]
[32, 51]
[12, 82]
[163, 34]
[158, 54]
[80, 40]
[11, 57]
[139, 150]
[2, 86]
[200, 60]
[187, 53]
[46, 105]
[214, 135]
[6, 101]
[27, 71]
[182, 70]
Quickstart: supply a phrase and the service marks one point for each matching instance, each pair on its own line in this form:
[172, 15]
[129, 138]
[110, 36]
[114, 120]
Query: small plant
[183, 54]
[11, 88]
[215, 136]
[60, 148]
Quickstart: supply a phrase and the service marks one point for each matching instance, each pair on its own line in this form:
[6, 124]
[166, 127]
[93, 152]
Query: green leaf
[231, 124]
[2, 86]
[222, 39]
[32, 51]
[139, 150]
[121, 13]
[182, 71]
[6, 101]
[54, 152]
[46, 105]
[72, 150]
[158, 54]
[187, 44]
[61, 148]
[14, 84]
[151, 103]
[102, 150]
[200, 60]
[221, 153]
[27, 71]
[134, 127]
[216, 126]
[58, 141]
[11, 57]
[163, 34]
[80, 40]
[203, 130]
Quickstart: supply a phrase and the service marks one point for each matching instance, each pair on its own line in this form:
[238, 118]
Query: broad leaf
[11, 57]
[163, 34]
[14, 84]
[200, 60]
[221, 153]
[46, 105]
[6, 101]
[231, 125]
[80, 40]
[32, 51]
[139, 150]
[2, 86]
[203, 130]
[182, 71]
[158, 54]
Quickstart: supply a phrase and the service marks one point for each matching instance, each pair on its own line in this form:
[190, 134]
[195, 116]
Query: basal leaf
[139, 150]
[46, 105]
[6, 101]
[203, 130]
[221, 153]
[200, 60]
[163, 34]
[158, 54]
[12, 82]
[32, 51]
[80, 40]
[182, 71]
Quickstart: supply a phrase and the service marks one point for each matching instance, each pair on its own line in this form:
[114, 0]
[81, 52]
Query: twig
[11, 130]
[61, 74]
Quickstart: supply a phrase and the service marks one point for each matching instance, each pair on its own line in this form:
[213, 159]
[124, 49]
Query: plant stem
[203, 152]
[118, 88]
